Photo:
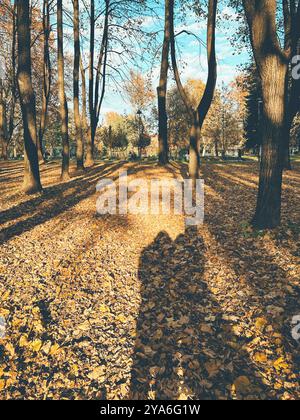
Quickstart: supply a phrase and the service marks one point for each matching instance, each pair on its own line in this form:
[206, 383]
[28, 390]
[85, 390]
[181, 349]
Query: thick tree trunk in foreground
[62, 95]
[272, 66]
[77, 119]
[268, 211]
[162, 89]
[32, 183]
[46, 78]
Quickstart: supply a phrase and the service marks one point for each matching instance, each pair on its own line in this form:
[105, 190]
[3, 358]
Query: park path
[135, 306]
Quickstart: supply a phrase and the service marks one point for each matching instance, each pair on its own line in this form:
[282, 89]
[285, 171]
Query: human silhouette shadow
[185, 348]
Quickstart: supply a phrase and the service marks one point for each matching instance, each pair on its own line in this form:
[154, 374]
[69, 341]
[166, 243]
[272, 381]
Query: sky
[192, 55]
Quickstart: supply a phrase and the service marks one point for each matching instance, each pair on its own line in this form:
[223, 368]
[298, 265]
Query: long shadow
[59, 198]
[184, 348]
[273, 296]
[53, 202]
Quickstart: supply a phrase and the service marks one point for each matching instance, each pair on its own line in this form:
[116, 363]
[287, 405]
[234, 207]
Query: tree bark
[84, 123]
[62, 95]
[46, 78]
[90, 138]
[268, 210]
[77, 119]
[3, 125]
[287, 165]
[272, 64]
[162, 88]
[102, 64]
[13, 101]
[195, 158]
[199, 114]
[32, 183]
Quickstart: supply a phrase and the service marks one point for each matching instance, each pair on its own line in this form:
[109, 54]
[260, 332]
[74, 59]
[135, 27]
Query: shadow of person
[185, 348]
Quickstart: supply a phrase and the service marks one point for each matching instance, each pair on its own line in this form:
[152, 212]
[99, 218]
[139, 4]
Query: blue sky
[192, 55]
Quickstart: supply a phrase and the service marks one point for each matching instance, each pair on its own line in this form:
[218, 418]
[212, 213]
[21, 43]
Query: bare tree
[32, 183]
[199, 113]
[47, 77]
[96, 100]
[62, 95]
[84, 123]
[76, 72]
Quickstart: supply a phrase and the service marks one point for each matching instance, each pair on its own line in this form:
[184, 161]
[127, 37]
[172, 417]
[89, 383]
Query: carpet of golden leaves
[136, 307]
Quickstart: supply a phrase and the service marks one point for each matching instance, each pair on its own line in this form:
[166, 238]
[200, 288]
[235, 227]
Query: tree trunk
[3, 125]
[77, 120]
[162, 88]
[216, 149]
[101, 70]
[195, 159]
[272, 64]
[46, 78]
[91, 135]
[198, 115]
[62, 96]
[11, 110]
[287, 165]
[32, 183]
[268, 210]
[207, 98]
[84, 123]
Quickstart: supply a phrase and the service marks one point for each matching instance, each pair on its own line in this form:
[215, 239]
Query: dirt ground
[115, 307]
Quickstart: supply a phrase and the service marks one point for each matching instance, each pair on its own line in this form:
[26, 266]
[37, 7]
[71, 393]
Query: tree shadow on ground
[185, 349]
[260, 264]
[54, 201]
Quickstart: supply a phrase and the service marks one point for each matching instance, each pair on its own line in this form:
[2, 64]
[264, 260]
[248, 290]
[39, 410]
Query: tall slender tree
[95, 97]
[62, 95]
[47, 76]
[291, 18]
[32, 183]
[76, 72]
[9, 83]
[3, 125]
[84, 122]
[89, 142]
[199, 113]
[162, 88]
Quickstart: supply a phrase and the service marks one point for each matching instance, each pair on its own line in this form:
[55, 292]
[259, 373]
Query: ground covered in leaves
[113, 307]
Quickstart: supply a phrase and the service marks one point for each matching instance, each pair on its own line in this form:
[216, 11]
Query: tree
[3, 125]
[162, 89]
[114, 138]
[32, 183]
[250, 82]
[76, 70]
[47, 76]
[272, 64]
[96, 100]
[62, 95]
[139, 91]
[199, 113]
[9, 80]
